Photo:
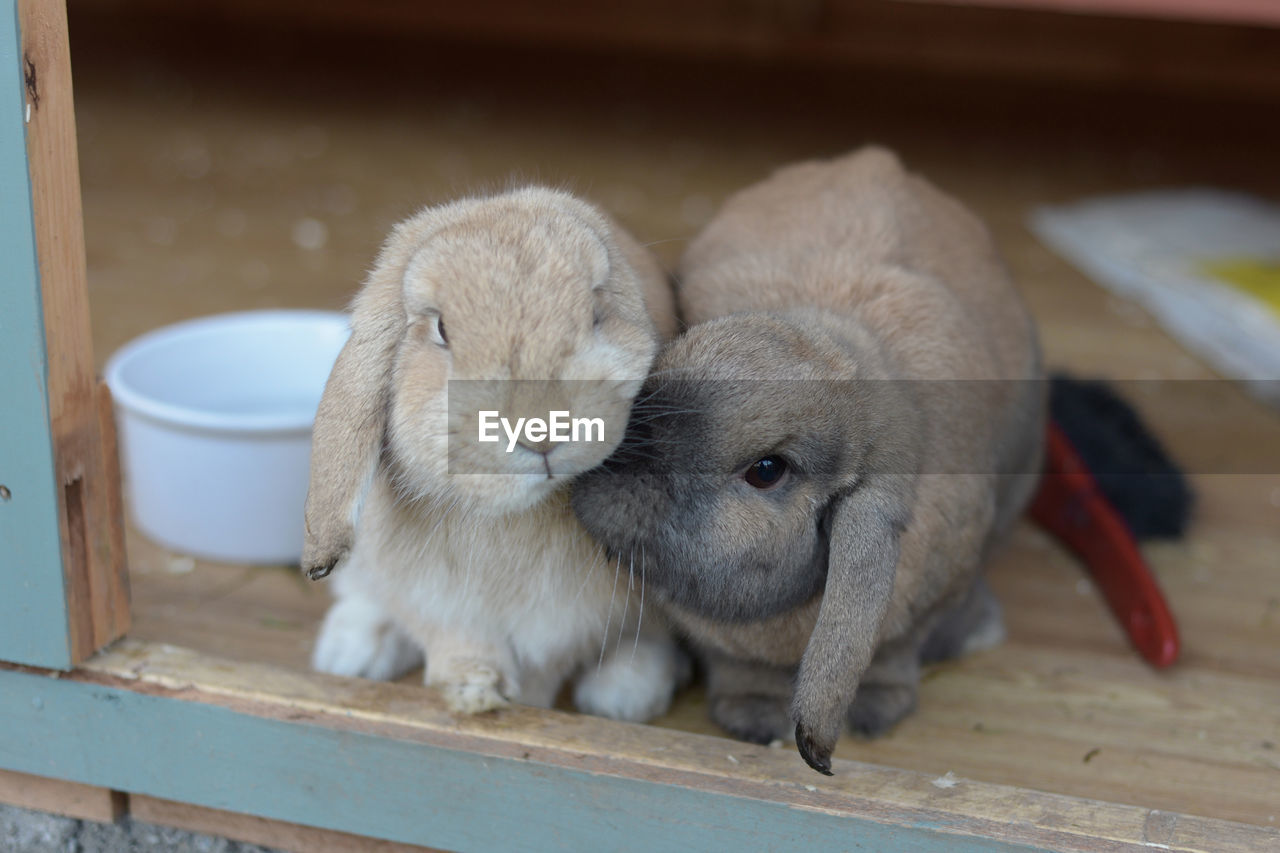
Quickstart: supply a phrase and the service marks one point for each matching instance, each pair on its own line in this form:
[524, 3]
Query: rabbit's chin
[496, 495]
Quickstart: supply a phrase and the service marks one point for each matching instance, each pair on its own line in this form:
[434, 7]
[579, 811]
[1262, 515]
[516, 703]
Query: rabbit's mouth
[498, 495]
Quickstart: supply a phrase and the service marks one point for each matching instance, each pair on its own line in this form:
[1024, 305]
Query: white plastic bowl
[215, 420]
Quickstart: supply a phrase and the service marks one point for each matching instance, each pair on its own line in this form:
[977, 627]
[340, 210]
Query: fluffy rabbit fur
[459, 548]
[813, 597]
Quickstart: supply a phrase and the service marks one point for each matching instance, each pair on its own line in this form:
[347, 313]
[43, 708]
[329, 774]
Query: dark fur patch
[674, 477]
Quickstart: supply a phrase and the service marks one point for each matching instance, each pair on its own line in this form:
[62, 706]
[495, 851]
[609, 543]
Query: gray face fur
[676, 495]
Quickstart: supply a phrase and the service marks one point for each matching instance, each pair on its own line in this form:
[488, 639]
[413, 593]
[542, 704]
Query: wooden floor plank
[694, 764]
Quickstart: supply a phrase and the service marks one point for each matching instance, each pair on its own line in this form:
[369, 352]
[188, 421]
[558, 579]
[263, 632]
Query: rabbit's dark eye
[766, 473]
[438, 332]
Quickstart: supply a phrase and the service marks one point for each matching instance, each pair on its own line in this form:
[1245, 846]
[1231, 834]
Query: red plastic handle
[1072, 508]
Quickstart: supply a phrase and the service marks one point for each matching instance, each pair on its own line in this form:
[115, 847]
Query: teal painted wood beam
[33, 610]
[390, 761]
[401, 789]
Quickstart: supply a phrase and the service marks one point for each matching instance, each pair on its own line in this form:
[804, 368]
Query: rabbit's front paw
[473, 689]
[634, 686]
[755, 718]
[879, 707]
[357, 639]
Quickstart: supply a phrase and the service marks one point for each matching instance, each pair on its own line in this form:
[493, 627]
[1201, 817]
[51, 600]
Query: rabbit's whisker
[609, 621]
[634, 443]
[466, 578]
[667, 371]
[637, 453]
[595, 558]
[646, 409]
[647, 417]
[626, 603]
[444, 515]
[640, 615]
[663, 241]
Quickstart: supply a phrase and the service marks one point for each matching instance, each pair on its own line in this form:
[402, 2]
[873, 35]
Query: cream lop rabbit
[526, 302]
[817, 469]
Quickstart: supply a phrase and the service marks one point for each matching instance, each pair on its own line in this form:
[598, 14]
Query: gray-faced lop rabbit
[816, 470]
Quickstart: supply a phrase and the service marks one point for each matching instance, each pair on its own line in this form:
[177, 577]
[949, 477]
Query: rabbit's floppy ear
[347, 439]
[861, 565]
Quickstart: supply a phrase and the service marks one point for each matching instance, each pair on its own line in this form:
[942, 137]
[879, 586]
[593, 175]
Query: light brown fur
[531, 300]
[826, 272]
